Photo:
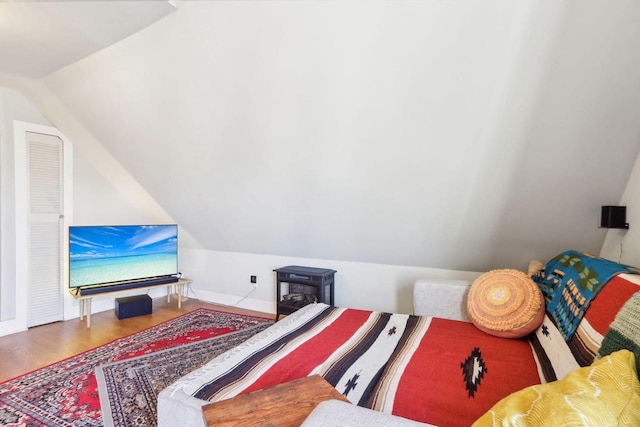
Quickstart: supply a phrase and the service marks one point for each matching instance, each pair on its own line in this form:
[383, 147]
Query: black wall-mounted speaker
[614, 217]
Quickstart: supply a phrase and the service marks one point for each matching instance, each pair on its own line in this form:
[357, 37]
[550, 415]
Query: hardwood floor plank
[43, 345]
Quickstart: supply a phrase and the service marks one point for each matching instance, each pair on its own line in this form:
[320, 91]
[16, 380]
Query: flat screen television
[105, 255]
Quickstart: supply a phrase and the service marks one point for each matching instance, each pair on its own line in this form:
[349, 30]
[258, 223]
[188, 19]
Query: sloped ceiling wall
[459, 135]
[40, 37]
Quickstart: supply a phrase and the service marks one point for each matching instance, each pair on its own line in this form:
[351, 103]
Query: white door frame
[20, 130]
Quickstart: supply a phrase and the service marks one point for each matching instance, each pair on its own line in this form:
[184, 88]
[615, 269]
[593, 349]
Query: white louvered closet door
[45, 159]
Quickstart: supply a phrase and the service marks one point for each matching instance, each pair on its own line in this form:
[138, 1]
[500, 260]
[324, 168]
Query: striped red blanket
[438, 371]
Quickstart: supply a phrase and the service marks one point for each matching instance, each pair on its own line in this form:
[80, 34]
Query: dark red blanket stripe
[314, 352]
[434, 375]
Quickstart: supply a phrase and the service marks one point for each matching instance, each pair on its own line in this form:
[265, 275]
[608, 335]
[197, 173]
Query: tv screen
[100, 255]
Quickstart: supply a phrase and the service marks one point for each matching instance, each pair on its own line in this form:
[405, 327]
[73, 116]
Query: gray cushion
[442, 298]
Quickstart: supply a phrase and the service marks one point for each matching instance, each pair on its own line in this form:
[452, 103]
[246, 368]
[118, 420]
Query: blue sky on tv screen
[117, 241]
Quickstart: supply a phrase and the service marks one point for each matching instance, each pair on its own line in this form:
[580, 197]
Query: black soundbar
[90, 290]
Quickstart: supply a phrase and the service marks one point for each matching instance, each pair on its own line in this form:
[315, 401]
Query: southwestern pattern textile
[570, 281]
[377, 360]
[66, 393]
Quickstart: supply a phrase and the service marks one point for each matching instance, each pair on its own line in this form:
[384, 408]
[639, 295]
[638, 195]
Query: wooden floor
[42, 345]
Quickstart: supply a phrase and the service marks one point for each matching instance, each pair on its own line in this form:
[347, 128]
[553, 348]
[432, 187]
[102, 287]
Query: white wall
[365, 135]
[96, 199]
[221, 277]
[224, 278]
[624, 245]
[456, 135]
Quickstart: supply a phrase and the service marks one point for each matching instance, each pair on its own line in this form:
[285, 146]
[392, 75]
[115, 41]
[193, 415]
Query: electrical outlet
[254, 280]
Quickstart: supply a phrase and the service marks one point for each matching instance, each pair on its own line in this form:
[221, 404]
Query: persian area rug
[129, 389]
[66, 392]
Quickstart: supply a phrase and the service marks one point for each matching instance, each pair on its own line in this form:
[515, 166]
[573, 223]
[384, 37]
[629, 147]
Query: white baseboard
[233, 300]
[12, 326]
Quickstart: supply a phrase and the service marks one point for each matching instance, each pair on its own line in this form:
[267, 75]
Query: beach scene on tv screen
[102, 254]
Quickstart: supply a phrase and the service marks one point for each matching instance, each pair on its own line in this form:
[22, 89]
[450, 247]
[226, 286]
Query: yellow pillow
[607, 393]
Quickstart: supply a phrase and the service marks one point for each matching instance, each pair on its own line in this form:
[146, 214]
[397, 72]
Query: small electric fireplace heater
[298, 286]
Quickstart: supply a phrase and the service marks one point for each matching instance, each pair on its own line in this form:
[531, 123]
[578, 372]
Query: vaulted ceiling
[443, 134]
[40, 37]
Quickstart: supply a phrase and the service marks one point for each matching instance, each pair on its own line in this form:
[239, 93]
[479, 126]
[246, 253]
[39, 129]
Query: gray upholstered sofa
[441, 298]
[544, 356]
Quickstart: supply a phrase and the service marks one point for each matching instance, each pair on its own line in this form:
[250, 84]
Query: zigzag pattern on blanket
[624, 332]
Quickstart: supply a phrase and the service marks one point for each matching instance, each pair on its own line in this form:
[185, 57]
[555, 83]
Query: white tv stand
[84, 301]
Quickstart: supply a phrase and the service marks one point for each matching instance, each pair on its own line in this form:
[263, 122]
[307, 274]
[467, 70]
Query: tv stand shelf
[84, 301]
